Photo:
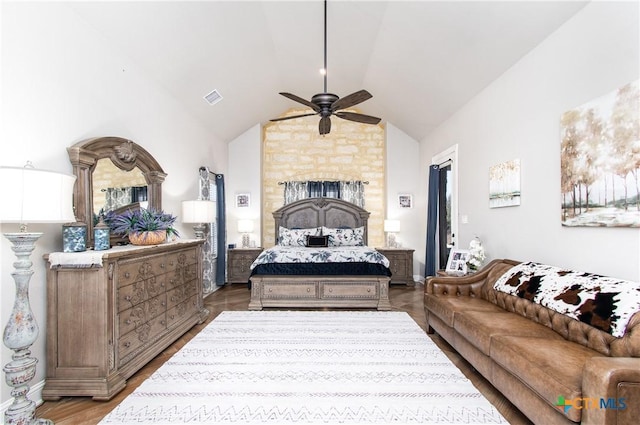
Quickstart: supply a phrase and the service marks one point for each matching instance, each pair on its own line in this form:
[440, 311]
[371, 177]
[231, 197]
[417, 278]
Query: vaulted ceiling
[421, 60]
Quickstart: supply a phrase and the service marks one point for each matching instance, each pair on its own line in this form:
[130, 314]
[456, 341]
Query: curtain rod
[366, 182]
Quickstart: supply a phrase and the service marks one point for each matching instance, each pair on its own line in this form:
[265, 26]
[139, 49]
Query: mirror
[115, 163]
[114, 188]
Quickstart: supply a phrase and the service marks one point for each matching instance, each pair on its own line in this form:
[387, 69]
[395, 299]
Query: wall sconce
[391, 227]
[199, 213]
[29, 195]
[245, 227]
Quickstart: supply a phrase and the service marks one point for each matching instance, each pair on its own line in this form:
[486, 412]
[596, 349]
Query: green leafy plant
[142, 220]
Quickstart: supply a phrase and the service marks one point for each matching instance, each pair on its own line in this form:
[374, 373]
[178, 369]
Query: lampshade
[200, 211]
[245, 226]
[30, 195]
[392, 225]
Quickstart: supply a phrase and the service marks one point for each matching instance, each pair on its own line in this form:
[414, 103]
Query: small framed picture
[457, 262]
[243, 200]
[405, 200]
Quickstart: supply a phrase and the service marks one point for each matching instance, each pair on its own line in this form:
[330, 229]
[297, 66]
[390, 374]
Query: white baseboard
[35, 394]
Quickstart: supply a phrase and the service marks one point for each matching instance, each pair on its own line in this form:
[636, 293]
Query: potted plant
[144, 226]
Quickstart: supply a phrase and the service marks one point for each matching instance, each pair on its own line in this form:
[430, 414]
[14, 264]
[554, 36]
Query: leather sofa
[553, 368]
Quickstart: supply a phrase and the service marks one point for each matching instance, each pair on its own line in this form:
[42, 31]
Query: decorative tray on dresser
[110, 312]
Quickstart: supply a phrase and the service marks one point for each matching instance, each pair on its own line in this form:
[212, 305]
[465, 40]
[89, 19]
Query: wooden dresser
[106, 321]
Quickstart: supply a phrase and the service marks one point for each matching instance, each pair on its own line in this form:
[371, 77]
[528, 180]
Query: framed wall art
[600, 161]
[243, 200]
[405, 200]
[504, 184]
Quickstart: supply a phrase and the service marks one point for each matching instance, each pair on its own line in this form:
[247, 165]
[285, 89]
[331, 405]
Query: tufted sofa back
[569, 328]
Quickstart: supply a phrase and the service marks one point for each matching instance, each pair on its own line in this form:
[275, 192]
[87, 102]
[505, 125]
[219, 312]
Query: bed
[299, 284]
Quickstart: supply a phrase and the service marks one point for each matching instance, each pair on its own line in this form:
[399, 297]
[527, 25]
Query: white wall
[245, 161]
[63, 82]
[403, 168]
[518, 116]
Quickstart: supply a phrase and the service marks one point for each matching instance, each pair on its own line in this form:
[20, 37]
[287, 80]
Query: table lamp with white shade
[29, 195]
[245, 227]
[391, 227]
[199, 212]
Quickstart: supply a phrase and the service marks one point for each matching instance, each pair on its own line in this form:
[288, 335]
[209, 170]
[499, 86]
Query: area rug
[307, 367]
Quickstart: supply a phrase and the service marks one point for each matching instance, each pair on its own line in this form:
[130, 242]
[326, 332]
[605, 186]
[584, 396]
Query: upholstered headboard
[316, 212]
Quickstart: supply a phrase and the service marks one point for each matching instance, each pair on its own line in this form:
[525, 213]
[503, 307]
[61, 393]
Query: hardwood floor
[85, 411]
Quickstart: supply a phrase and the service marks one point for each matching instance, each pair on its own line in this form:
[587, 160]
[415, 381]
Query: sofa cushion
[446, 306]
[550, 367]
[478, 327]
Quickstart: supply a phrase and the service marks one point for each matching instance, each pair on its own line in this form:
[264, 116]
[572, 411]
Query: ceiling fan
[327, 104]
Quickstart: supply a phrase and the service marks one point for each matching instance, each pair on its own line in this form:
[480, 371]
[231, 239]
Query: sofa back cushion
[627, 344]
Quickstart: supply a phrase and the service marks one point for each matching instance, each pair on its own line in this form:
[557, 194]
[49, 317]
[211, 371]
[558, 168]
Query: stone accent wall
[293, 150]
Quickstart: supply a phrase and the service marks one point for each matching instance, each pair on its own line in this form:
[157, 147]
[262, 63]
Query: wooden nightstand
[238, 262]
[400, 263]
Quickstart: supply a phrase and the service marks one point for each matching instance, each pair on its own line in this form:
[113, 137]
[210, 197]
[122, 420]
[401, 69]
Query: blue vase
[101, 236]
[74, 237]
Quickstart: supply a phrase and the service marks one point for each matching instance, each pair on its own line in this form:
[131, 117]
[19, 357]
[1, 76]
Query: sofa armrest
[614, 384]
[469, 285]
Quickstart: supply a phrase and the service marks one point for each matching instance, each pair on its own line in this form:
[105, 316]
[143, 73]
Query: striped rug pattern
[307, 367]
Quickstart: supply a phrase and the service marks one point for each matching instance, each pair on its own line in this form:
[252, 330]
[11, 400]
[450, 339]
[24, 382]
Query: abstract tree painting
[600, 161]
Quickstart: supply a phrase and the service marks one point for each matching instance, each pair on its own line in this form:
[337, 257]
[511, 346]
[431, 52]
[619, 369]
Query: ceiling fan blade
[325, 125]
[301, 100]
[352, 116]
[350, 100]
[293, 116]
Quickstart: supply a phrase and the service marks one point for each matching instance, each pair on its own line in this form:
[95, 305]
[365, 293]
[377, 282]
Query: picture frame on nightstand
[457, 262]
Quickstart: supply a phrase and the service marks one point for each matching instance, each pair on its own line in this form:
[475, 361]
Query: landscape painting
[600, 161]
[504, 184]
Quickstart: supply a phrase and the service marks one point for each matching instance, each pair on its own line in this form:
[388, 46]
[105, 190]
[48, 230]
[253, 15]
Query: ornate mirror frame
[126, 155]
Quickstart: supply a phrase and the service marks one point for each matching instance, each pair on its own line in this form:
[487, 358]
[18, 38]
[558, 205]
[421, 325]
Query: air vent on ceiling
[213, 97]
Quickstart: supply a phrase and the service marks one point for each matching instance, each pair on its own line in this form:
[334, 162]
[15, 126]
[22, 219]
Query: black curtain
[222, 231]
[331, 189]
[432, 220]
[315, 189]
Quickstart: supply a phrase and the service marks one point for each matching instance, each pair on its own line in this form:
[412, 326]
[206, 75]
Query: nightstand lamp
[391, 227]
[29, 195]
[245, 227]
[199, 213]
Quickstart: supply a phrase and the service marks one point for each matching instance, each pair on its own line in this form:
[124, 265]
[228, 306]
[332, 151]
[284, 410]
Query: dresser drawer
[139, 292]
[348, 290]
[182, 311]
[140, 336]
[141, 313]
[287, 291]
[140, 269]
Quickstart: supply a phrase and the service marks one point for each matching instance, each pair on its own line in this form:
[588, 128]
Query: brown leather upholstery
[534, 354]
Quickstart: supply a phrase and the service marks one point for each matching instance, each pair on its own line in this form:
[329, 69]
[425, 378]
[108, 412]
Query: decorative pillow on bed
[344, 237]
[296, 237]
[317, 241]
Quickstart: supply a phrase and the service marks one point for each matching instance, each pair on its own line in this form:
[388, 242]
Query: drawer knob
[163, 303]
[171, 316]
[162, 265]
[368, 289]
[127, 298]
[127, 344]
[127, 322]
[269, 289]
[173, 298]
[308, 289]
[127, 275]
[330, 289]
[162, 322]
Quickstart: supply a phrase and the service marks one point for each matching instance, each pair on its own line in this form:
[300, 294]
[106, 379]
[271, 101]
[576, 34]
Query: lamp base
[245, 240]
[199, 229]
[391, 240]
[19, 334]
